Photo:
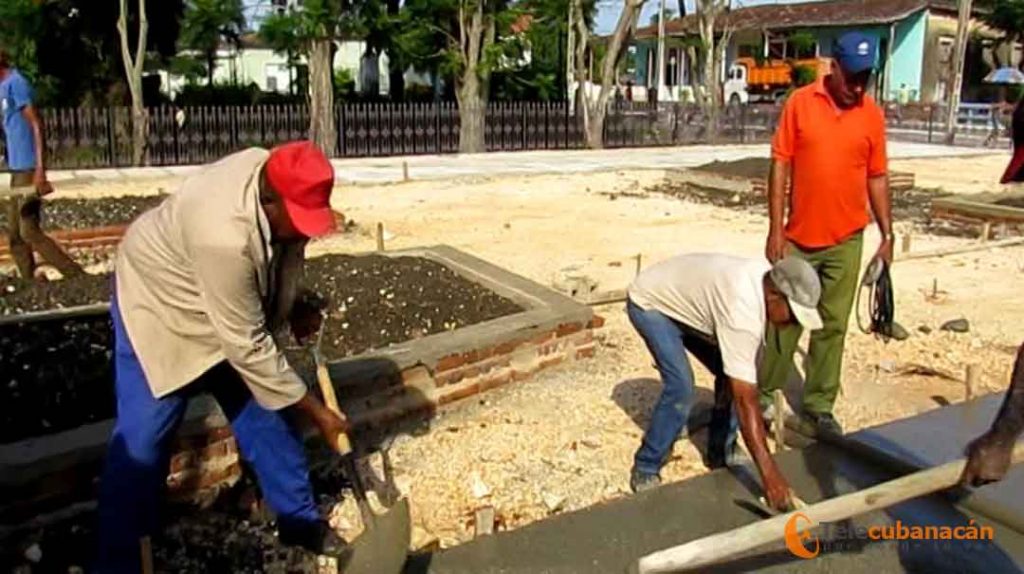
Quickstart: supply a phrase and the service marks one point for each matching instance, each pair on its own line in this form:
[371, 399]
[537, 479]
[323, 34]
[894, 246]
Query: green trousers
[839, 269]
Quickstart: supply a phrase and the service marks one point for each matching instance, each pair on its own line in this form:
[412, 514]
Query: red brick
[508, 347]
[450, 362]
[552, 361]
[482, 353]
[218, 433]
[219, 449]
[543, 338]
[496, 379]
[596, 322]
[568, 329]
[183, 461]
[524, 374]
[213, 478]
[586, 351]
[456, 394]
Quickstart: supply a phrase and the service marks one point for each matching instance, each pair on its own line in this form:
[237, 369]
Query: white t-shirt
[719, 295]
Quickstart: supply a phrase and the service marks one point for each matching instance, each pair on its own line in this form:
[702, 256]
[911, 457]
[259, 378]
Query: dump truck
[766, 82]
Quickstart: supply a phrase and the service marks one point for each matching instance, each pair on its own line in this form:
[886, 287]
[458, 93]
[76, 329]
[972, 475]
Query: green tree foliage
[1006, 16]
[209, 25]
[23, 24]
[804, 75]
[311, 30]
[70, 49]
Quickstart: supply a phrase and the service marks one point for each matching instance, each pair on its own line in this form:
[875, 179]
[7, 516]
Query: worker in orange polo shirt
[830, 145]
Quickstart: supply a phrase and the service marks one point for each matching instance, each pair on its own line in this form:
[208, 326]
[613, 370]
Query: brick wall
[205, 459]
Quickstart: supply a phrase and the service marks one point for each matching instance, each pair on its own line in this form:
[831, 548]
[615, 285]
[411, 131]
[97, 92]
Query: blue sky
[609, 10]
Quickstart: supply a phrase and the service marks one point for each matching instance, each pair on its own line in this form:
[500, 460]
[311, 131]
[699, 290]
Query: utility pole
[661, 49]
[963, 27]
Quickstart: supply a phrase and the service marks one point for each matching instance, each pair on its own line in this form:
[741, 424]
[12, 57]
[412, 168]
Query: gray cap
[798, 281]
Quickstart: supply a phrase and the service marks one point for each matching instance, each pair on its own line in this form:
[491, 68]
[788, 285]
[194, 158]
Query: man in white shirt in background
[718, 307]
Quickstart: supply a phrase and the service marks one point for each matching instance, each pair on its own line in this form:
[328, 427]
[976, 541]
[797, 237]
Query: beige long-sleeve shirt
[199, 282]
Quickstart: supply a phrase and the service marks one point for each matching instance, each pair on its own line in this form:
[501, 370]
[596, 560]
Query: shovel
[383, 546]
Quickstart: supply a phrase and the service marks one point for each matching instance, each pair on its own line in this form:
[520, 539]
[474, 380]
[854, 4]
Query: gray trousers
[25, 234]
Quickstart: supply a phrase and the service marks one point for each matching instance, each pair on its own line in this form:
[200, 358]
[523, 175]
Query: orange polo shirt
[832, 153]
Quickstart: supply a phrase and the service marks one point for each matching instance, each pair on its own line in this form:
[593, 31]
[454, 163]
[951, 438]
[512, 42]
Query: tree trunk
[477, 33]
[133, 74]
[472, 117]
[955, 87]
[396, 71]
[321, 96]
[712, 56]
[211, 63]
[596, 111]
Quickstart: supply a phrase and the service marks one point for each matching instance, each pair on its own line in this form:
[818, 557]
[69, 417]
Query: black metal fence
[101, 137]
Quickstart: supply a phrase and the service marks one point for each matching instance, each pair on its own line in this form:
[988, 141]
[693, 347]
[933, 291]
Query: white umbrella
[1005, 76]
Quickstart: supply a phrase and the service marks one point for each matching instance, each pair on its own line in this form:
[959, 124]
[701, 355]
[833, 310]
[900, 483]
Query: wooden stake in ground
[405, 171]
[146, 548]
[779, 424]
[906, 243]
[728, 545]
[483, 523]
[380, 236]
[970, 381]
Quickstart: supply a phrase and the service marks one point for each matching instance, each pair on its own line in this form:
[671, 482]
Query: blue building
[915, 39]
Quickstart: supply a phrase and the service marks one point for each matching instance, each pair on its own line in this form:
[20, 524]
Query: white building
[255, 63]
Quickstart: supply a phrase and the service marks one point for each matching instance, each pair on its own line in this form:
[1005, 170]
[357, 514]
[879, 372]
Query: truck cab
[749, 81]
[735, 90]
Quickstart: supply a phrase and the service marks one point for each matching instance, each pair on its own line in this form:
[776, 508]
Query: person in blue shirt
[24, 135]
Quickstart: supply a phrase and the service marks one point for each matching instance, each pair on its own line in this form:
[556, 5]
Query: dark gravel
[376, 301]
[753, 167]
[66, 213]
[19, 296]
[56, 375]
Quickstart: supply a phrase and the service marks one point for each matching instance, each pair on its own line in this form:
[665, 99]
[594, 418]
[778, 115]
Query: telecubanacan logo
[802, 543]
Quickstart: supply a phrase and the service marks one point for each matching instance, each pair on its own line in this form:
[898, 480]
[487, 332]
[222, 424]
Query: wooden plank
[726, 545]
[962, 249]
[944, 208]
[95, 310]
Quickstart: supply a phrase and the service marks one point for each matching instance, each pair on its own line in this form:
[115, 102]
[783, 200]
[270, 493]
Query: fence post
[743, 123]
[110, 136]
[931, 118]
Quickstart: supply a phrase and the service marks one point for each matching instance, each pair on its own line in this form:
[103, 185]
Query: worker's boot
[821, 425]
[642, 481]
[317, 537]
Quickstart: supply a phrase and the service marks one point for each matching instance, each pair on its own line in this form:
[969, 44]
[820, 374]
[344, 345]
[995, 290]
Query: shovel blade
[383, 546]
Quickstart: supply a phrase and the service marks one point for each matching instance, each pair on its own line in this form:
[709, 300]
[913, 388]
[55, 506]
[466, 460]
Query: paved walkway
[386, 169]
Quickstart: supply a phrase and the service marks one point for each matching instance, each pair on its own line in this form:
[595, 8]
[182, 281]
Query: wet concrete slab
[611, 537]
[940, 436]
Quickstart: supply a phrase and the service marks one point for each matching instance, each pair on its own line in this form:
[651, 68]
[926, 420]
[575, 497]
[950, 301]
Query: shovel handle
[323, 378]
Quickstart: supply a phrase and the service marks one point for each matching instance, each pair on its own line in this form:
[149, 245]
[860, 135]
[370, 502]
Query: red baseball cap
[1015, 171]
[303, 176]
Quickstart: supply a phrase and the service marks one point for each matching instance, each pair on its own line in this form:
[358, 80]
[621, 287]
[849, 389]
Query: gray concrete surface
[611, 537]
[940, 436]
[388, 169]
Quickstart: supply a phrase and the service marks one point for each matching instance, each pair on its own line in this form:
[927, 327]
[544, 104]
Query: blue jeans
[138, 455]
[668, 341]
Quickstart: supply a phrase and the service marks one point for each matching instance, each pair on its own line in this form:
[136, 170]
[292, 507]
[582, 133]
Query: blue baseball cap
[855, 52]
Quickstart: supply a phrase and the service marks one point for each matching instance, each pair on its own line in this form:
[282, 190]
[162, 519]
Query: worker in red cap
[204, 285]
